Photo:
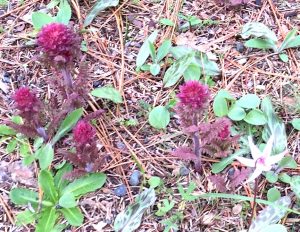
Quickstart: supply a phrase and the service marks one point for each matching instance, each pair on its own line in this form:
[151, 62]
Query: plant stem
[197, 146]
[67, 78]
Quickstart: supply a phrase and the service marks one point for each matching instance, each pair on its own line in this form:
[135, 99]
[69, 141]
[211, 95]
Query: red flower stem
[67, 78]
[197, 146]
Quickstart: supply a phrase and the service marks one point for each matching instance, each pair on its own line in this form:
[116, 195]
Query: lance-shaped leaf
[73, 216]
[130, 219]
[270, 215]
[47, 220]
[257, 29]
[68, 123]
[85, 184]
[99, 6]
[47, 184]
[295, 185]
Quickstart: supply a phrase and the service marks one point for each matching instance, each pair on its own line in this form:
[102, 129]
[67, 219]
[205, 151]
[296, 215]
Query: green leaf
[154, 69]
[25, 149]
[284, 57]
[285, 178]
[130, 219]
[64, 14]
[294, 43]
[187, 195]
[109, 93]
[261, 44]
[257, 29]
[219, 167]
[46, 183]
[180, 51]
[11, 146]
[24, 218]
[236, 113]
[274, 126]
[152, 51]
[155, 181]
[295, 185]
[73, 216]
[273, 194]
[163, 50]
[296, 123]
[193, 72]
[159, 117]
[40, 19]
[177, 69]
[28, 160]
[208, 67]
[288, 40]
[272, 177]
[167, 22]
[220, 106]
[21, 196]
[47, 220]
[275, 228]
[59, 227]
[68, 123]
[248, 101]
[100, 5]
[225, 94]
[67, 200]
[59, 181]
[165, 208]
[256, 117]
[45, 156]
[17, 119]
[288, 162]
[6, 130]
[144, 52]
[85, 184]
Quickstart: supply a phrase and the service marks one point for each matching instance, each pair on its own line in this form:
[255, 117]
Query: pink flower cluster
[83, 133]
[194, 95]
[25, 100]
[58, 42]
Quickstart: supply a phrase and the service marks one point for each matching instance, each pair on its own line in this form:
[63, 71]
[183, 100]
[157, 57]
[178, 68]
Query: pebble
[135, 178]
[240, 47]
[96, 84]
[184, 171]
[6, 78]
[120, 191]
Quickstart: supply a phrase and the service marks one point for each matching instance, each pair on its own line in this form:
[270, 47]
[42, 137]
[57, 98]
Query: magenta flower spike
[25, 100]
[83, 133]
[262, 161]
[58, 43]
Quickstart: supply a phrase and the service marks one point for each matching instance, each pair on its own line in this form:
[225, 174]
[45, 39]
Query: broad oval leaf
[73, 216]
[167, 22]
[295, 185]
[163, 50]
[25, 218]
[285, 178]
[236, 113]
[220, 106]
[296, 123]
[40, 19]
[99, 6]
[109, 93]
[64, 14]
[261, 44]
[45, 156]
[67, 200]
[68, 123]
[180, 51]
[130, 219]
[272, 177]
[273, 194]
[248, 101]
[256, 117]
[193, 72]
[154, 69]
[144, 51]
[288, 162]
[85, 184]
[6, 130]
[177, 69]
[284, 57]
[159, 117]
[47, 184]
[257, 29]
[21, 196]
[47, 220]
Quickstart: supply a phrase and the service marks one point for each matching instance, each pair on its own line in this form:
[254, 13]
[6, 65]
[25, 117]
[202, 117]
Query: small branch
[254, 202]
[197, 147]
